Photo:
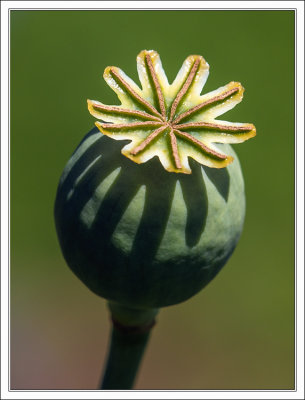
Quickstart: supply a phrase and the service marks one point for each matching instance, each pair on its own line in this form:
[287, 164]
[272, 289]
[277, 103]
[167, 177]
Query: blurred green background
[238, 333]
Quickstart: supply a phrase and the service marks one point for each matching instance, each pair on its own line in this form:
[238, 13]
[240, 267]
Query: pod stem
[130, 333]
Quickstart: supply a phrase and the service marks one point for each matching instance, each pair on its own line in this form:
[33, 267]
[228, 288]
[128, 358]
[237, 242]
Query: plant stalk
[130, 333]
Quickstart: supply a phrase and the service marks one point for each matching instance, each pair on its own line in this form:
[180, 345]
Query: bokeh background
[238, 333]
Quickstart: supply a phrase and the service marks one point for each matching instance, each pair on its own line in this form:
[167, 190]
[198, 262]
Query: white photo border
[298, 7]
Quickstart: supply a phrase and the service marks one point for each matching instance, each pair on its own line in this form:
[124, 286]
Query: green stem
[124, 358]
[129, 337]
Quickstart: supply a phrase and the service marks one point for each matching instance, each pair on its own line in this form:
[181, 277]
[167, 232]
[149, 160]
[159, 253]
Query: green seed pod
[139, 235]
[145, 234]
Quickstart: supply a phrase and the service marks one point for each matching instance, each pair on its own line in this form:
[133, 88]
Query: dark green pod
[140, 236]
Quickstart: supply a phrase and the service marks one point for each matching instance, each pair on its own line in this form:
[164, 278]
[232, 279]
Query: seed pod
[145, 234]
[140, 236]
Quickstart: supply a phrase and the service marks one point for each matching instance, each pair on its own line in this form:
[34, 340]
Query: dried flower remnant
[172, 122]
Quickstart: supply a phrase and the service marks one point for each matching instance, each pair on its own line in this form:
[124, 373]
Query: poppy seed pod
[139, 235]
[148, 219]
